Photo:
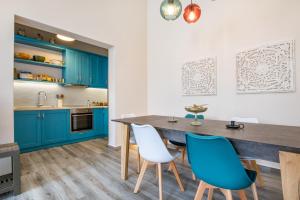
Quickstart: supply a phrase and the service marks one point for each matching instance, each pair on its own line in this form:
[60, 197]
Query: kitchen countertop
[67, 107]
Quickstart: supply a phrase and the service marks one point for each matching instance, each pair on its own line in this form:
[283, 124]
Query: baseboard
[114, 147]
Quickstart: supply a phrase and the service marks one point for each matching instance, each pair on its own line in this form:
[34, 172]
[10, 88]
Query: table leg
[290, 175]
[125, 152]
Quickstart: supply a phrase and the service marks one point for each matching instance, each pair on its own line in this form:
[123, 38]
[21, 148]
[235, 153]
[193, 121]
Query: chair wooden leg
[254, 191]
[156, 170]
[257, 169]
[175, 171]
[183, 154]
[227, 194]
[193, 176]
[160, 181]
[200, 191]
[138, 160]
[210, 193]
[143, 170]
[242, 194]
[247, 164]
[170, 167]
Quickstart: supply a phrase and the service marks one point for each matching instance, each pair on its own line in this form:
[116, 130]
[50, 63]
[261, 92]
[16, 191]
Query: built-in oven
[82, 119]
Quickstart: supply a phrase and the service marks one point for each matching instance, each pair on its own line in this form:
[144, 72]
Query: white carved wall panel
[267, 69]
[200, 77]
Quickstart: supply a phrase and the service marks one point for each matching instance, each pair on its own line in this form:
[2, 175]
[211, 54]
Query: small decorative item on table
[172, 120]
[196, 109]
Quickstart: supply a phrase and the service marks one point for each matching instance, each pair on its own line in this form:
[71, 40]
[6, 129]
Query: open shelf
[31, 62]
[38, 43]
[35, 81]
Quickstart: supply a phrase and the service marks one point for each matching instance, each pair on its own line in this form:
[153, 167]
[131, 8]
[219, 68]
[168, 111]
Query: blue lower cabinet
[42, 129]
[27, 129]
[101, 121]
[54, 126]
[105, 118]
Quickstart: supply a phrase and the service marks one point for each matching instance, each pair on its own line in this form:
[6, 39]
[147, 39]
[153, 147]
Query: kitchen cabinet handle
[39, 115]
[43, 116]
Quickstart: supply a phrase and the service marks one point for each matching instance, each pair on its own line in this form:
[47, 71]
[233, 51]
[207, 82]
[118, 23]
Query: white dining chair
[250, 162]
[153, 151]
[132, 142]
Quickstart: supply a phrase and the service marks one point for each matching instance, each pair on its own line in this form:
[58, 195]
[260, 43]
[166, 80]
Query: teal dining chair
[181, 146]
[215, 162]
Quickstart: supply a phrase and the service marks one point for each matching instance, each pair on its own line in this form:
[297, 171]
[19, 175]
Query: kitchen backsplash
[25, 94]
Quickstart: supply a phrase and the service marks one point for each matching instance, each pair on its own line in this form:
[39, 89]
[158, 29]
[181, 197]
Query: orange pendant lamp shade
[192, 13]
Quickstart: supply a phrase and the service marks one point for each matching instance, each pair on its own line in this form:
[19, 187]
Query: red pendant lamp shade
[192, 13]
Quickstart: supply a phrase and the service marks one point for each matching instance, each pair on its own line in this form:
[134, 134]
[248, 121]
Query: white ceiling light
[65, 38]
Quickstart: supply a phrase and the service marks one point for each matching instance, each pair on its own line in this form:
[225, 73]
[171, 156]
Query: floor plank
[91, 170]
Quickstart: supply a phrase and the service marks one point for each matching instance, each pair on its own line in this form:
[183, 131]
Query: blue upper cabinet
[54, 126]
[78, 68]
[85, 69]
[99, 71]
[96, 71]
[104, 77]
[71, 72]
[28, 129]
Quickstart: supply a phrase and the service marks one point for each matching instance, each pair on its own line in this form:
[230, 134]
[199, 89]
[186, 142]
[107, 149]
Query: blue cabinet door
[54, 126]
[101, 121]
[98, 121]
[78, 67]
[83, 68]
[105, 122]
[27, 129]
[71, 71]
[96, 71]
[104, 72]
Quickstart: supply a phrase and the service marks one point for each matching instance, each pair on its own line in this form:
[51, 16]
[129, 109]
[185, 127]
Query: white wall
[225, 28]
[120, 24]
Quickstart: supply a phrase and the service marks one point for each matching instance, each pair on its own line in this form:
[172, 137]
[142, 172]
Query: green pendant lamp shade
[170, 9]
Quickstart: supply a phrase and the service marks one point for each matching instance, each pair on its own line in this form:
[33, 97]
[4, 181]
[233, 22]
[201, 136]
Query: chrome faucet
[42, 98]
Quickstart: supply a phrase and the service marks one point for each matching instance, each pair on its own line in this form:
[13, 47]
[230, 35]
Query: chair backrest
[245, 119]
[191, 116]
[214, 161]
[151, 146]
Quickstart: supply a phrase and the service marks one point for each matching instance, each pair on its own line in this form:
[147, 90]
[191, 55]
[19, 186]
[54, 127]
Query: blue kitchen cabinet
[99, 71]
[71, 71]
[27, 129]
[104, 75]
[47, 128]
[106, 124]
[101, 121]
[84, 68]
[54, 126]
[78, 68]
[96, 71]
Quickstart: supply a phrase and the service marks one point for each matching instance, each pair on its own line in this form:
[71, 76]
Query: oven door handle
[79, 115]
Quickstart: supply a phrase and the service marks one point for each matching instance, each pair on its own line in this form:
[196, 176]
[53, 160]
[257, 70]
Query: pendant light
[192, 13]
[170, 9]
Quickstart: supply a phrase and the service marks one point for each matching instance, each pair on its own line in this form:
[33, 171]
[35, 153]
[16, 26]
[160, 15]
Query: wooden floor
[91, 170]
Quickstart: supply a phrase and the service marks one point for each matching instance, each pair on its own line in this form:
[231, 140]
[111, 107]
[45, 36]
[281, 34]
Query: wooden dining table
[275, 143]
